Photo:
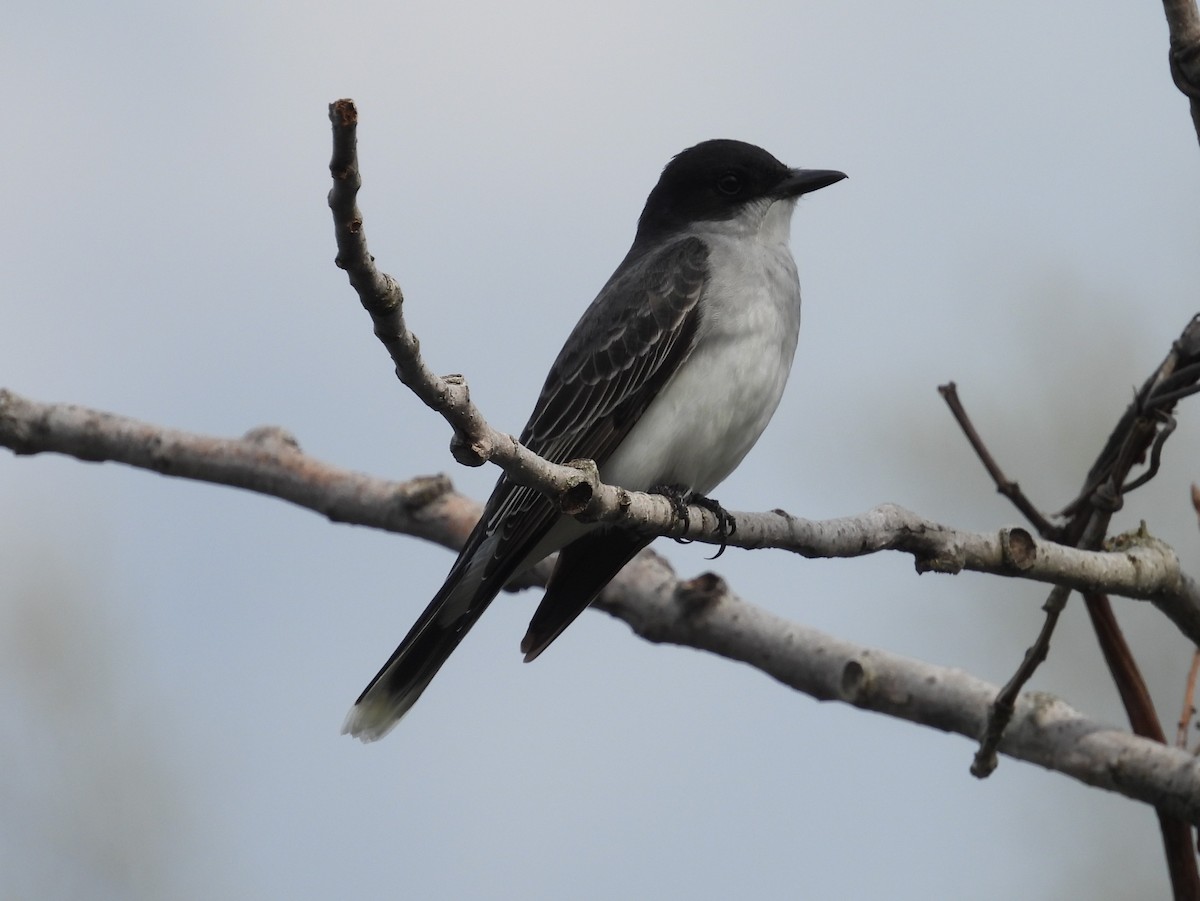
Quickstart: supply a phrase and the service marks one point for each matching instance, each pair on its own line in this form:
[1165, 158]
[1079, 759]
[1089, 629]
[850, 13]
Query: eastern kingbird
[666, 382]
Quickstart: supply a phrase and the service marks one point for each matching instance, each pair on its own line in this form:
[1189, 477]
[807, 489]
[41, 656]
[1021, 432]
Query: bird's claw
[679, 498]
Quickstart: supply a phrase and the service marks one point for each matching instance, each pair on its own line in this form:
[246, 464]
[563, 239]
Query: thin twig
[382, 298]
[1001, 709]
[1004, 485]
[1135, 695]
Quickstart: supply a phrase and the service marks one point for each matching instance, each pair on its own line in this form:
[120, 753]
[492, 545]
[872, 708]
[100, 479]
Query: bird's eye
[729, 183]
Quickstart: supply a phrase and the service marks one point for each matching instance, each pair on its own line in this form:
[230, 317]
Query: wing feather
[626, 346]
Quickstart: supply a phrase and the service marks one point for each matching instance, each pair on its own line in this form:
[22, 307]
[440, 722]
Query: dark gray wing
[626, 346]
[595, 393]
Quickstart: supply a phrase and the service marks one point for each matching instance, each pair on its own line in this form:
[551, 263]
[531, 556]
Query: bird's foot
[680, 497]
[677, 496]
[726, 522]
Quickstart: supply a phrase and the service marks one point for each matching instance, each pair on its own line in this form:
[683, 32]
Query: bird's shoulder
[650, 293]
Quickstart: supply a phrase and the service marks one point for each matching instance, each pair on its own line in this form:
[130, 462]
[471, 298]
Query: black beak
[804, 181]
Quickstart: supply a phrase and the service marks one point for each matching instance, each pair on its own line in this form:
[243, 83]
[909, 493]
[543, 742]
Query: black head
[715, 180]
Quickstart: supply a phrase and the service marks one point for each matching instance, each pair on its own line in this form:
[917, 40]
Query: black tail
[584, 567]
[428, 644]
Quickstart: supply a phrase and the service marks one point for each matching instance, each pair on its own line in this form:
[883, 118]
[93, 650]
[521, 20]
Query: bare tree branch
[1142, 429]
[699, 613]
[269, 461]
[702, 613]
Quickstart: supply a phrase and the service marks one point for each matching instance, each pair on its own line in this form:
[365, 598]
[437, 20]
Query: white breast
[708, 416]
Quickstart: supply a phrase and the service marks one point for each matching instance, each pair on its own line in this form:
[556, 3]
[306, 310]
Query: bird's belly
[706, 419]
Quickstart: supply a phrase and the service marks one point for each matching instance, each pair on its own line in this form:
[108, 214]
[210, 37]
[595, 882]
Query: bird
[666, 382]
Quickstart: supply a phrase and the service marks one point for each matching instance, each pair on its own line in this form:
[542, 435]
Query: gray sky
[177, 658]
